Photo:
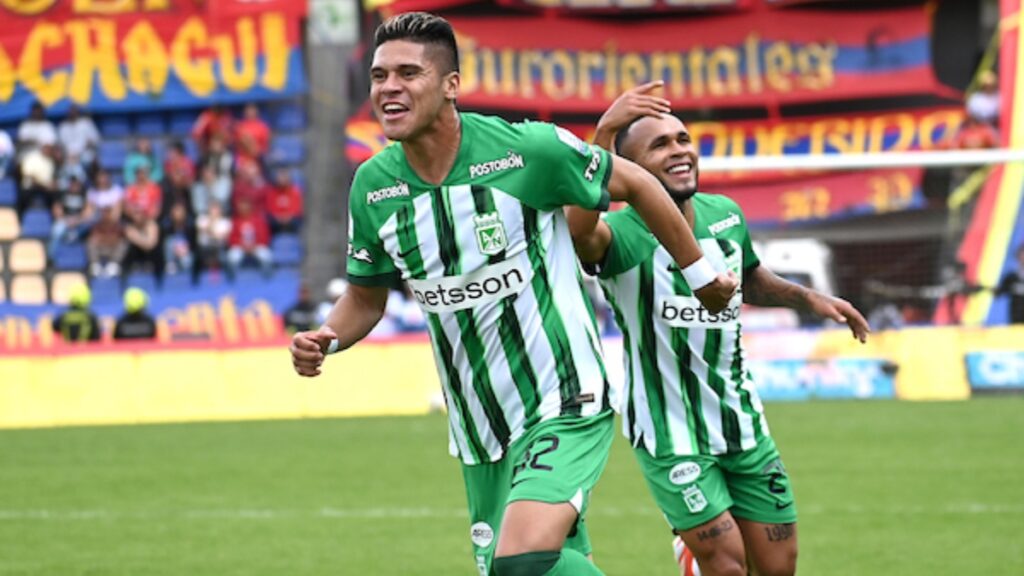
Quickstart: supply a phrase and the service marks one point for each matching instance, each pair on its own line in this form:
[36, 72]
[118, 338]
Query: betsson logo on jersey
[687, 312]
[485, 285]
[399, 190]
[511, 162]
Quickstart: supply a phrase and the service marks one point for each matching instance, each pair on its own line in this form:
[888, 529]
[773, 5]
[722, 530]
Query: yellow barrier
[117, 386]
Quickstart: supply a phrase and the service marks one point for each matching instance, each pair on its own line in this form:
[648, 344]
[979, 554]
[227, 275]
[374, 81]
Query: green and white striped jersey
[688, 390]
[488, 256]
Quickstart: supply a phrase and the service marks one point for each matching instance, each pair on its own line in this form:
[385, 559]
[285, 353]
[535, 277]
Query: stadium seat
[114, 127]
[150, 125]
[287, 150]
[8, 192]
[143, 280]
[28, 289]
[181, 123]
[112, 155]
[178, 283]
[105, 290]
[10, 229]
[36, 223]
[70, 257]
[192, 150]
[27, 255]
[62, 284]
[287, 250]
[289, 118]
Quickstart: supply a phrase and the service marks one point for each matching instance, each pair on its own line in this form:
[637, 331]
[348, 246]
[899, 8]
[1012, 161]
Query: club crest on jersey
[490, 233]
[694, 498]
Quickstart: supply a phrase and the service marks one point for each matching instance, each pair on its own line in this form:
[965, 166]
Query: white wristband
[699, 274]
[332, 347]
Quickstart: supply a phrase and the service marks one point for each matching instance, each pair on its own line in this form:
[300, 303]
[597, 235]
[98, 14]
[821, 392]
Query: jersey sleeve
[569, 171]
[368, 264]
[631, 244]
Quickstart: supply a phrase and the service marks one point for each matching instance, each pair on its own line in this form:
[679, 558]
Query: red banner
[555, 64]
[827, 197]
[631, 6]
[112, 55]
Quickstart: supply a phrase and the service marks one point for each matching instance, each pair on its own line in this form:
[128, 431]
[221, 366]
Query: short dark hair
[422, 28]
[622, 135]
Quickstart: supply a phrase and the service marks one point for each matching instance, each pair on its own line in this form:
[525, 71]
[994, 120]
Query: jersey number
[532, 459]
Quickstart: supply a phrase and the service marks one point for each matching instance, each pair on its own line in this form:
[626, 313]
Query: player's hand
[309, 349]
[841, 311]
[638, 101]
[716, 296]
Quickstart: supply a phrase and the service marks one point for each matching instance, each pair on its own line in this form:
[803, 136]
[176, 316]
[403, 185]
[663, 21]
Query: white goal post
[924, 159]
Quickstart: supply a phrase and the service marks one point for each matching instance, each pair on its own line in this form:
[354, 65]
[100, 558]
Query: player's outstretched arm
[762, 287]
[355, 313]
[631, 183]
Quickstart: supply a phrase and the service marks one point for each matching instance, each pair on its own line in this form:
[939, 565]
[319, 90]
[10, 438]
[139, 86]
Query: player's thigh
[771, 548]
[487, 487]
[765, 507]
[557, 465]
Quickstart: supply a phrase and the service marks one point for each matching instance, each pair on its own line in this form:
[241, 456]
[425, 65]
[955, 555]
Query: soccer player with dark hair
[467, 211]
[690, 409]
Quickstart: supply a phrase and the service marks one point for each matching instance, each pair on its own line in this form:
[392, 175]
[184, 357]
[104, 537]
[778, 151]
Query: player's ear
[451, 85]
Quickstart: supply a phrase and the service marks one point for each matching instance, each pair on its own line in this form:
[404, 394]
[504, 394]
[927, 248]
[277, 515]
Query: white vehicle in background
[802, 260]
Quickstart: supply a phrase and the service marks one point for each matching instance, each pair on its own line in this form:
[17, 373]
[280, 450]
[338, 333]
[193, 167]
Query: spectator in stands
[220, 159]
[105, 194]
[142, 156]
[135, 323]
[983, 103]
[252, 136]
[78, 323]
[79, 136]
[179, 240]
[250, 239]
[1012, 285]
[68, 167]
[251, 188]
[38, 178]
[975, 134]
[284, 203]
[6, 153]
[213, 229]
[302, 315]
[72, 216]
[106, 245]
[144, 194]
[36, 130]
[216, 122]
[210, 189]
[143, 236]
[179, 177]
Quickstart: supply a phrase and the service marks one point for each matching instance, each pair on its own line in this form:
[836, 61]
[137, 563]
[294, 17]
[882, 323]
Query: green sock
[567, 563]
[572, 563]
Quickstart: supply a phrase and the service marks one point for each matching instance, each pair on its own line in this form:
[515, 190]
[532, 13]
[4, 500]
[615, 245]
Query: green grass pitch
[894, 488]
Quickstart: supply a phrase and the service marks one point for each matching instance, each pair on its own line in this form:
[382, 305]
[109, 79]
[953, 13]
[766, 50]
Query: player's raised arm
[351, 318]
[590, 236]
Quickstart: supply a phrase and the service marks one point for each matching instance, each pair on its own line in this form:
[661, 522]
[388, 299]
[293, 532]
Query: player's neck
[686, 207]
[432, 154]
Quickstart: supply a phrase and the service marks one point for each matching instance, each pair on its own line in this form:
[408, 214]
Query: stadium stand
[287, 150]
[36, 223]
[150, 125]
[115, 126]
[287, 250]
[28, 289]
[70, 257]
[112, 155]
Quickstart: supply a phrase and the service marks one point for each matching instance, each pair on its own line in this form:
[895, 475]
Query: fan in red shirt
[249, 240]
[216, 121]
[252, 135]
[251, 187]
[144, 194]
[284, 203]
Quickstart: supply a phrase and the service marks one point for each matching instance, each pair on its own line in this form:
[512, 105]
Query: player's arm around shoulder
[351, 318]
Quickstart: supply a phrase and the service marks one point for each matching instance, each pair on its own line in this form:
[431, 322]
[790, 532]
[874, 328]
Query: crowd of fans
[162, 213]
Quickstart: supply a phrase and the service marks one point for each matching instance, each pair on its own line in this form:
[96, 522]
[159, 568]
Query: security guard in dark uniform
[78, 323]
